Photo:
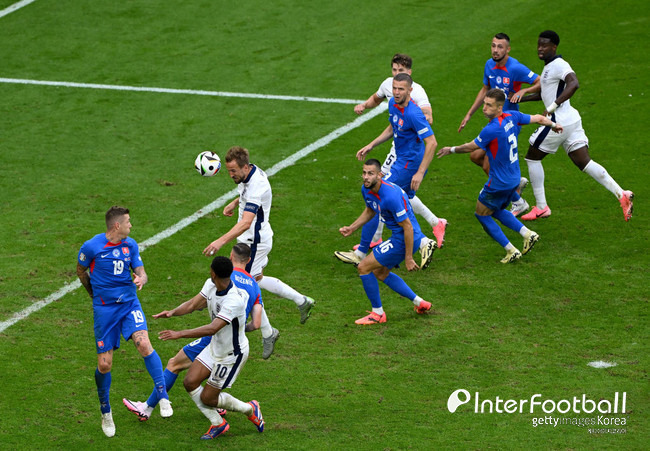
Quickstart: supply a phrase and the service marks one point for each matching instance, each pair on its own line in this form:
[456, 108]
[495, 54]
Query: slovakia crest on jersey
[506, 81]
[125, 250]
[400, 122]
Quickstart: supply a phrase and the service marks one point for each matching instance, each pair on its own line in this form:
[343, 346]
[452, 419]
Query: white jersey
[418, 95]
[552, 80]
[255, 196]
[230, 306]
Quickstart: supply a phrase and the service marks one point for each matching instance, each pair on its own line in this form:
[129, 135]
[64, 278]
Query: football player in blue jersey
[240, 256]
[391, 202]
[104, 267]
[506, 73]
[415, 146]
[498, 140]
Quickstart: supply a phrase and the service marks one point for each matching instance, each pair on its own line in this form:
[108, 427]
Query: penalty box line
[219, 202]
[243, 95]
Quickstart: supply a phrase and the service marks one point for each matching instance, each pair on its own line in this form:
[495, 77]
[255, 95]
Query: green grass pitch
[68, 153]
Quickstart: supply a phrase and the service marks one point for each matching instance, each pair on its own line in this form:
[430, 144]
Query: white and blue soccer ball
[207, 163]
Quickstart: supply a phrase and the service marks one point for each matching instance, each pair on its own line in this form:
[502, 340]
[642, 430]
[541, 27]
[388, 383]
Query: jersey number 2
[512, 139]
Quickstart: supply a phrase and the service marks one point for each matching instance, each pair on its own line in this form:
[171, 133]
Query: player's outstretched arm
[528, 94]
[475, 106]
[465, 148]
[385, 136]
[239, 228]
[84, 278]
[372, 102]
[198, 302]
[366, 216]
[203, 331]
[546, 121]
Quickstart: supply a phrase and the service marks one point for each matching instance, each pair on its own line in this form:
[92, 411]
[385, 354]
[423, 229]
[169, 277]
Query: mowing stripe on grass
[14, 7]
[221, 201]
[244, 95]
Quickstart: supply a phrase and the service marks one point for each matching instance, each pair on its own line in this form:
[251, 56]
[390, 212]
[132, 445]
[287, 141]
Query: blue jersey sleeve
[522, 74]
[522, 118]
[136, 260]
[486, 136]
[86, 255]
[420, 123]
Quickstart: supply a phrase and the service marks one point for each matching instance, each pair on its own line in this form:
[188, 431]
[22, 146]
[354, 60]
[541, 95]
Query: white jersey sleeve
[419, 96]
[385, 90]
[553, 83]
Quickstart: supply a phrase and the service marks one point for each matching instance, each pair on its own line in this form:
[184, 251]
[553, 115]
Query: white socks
[265, 325]
[229, 402]
[536, 173]
[210, 412]
[276, 286]
[422, 210]
[600, 174]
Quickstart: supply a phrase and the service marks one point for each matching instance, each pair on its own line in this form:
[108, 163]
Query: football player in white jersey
[254, 229]
[559, 83]
[401, 63]
[222, 360]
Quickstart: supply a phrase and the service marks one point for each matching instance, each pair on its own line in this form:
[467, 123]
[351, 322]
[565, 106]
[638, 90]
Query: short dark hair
[113, 214]
[373, 162]
[402, 76]
[496, 94]
[551, 36]
[238, 154]
[222, 267]
[402, 59]
[502, 36]
[242, 252]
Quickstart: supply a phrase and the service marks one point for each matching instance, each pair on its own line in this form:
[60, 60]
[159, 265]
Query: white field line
[244, 95]
[14, 7]
[218, 203]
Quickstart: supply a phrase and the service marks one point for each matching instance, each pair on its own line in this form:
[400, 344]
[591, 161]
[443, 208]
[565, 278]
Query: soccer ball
[207, 163]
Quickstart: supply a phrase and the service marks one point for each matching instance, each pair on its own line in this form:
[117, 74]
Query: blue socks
[170, 380]
[493, 229]
[103, 382]
[155, 369]
[397, 284]
[371, 286]
[508, 219]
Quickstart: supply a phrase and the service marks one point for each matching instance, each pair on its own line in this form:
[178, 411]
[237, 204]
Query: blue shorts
[193, 349]
[390, 253]
[111, 320]
[401, 176]
[496, 200]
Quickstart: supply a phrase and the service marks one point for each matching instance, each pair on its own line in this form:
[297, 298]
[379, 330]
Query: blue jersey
[410, 127]
[110, 268]
[392, 204]
[507, 78]
[499, 140]
[246, 282]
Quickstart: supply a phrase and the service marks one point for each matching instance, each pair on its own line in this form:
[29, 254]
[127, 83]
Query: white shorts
[390, 159]
[259, 256]
[224, 372]
[573, 137]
